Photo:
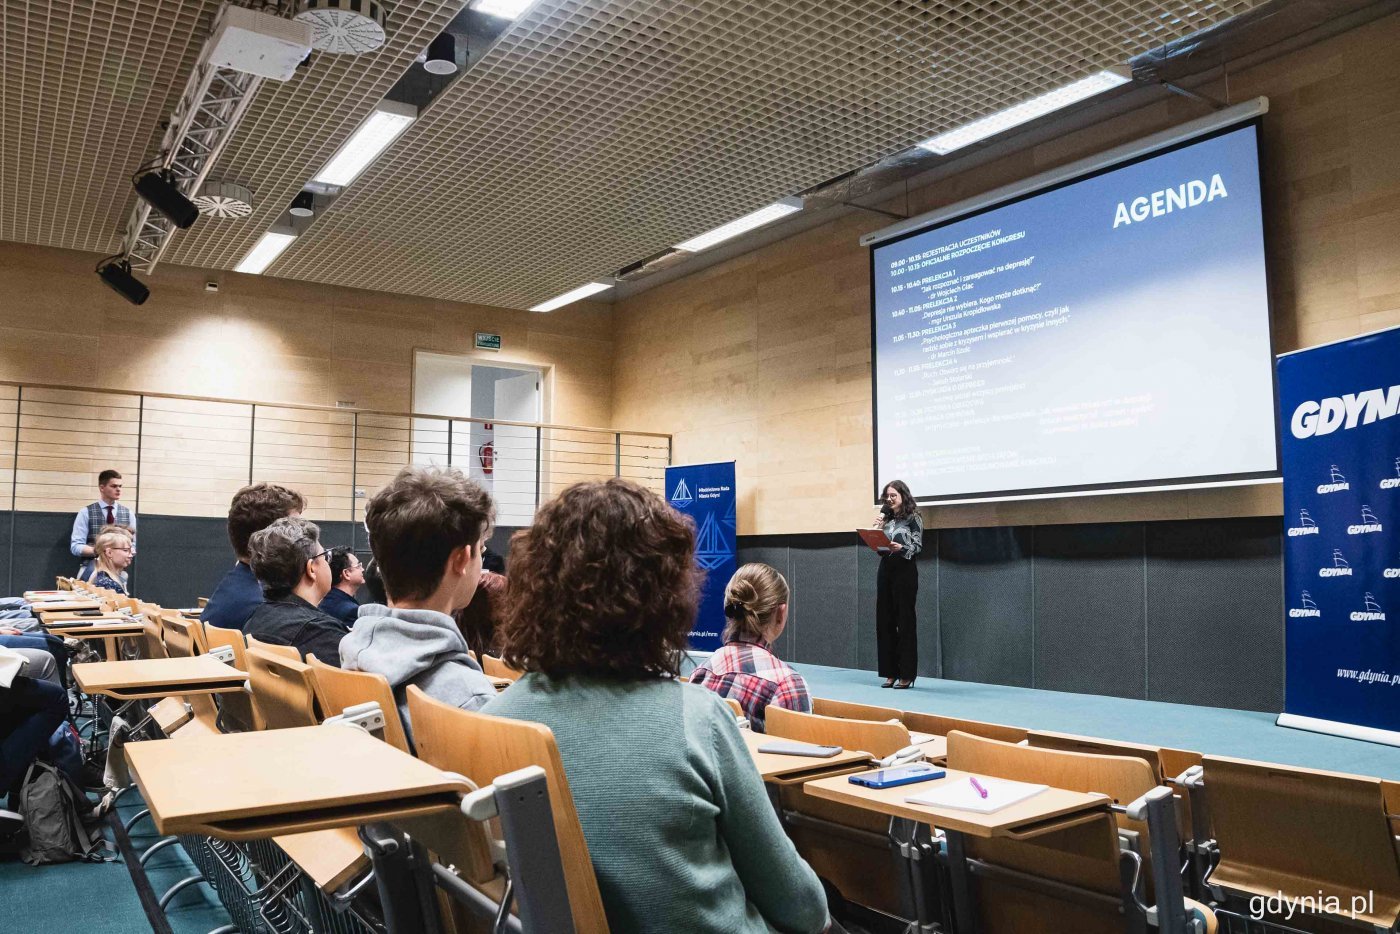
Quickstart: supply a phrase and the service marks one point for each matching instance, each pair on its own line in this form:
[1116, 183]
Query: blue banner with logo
[705, 492]
[1340, 410]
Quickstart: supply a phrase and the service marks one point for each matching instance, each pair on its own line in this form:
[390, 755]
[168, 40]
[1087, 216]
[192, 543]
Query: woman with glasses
[295, 573]
[112, 553]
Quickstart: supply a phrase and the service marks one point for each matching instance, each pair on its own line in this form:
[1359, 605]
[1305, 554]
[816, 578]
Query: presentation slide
[1111, 331]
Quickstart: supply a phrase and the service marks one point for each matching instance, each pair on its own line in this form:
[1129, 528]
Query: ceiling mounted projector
[224, 200]
[344, 27]
[258, 43]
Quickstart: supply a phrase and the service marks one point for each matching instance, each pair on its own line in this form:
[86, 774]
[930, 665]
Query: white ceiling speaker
[344, 27]
[225, 200]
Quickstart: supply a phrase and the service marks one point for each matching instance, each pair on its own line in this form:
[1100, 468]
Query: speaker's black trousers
[895, 626]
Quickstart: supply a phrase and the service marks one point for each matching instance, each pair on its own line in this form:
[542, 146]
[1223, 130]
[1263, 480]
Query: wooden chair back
[152, 642]
[65, 583]
[735, 706]
[482, 748]
[846, 710]
[272, 648]
[1123, 778]
[238, 709]
[284, 690]
[864, 871]
[495, 668]
[1084, 853]
[941, 726]
[878, 739]
[338, 689]
[1069, 742]
[182, 637]
[1304, 832]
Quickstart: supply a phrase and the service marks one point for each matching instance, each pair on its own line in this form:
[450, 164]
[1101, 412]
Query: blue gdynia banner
[1340, 414]
[705, 492]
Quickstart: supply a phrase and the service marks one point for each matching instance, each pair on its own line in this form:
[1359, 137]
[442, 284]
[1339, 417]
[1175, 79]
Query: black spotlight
[303, 205]
[442, 55]
[158, 188]
[118, 275]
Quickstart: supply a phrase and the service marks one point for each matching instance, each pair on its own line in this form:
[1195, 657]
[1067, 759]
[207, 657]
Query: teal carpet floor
[1239, 733]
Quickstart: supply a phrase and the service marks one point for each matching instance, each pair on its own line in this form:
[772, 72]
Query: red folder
[875, 538]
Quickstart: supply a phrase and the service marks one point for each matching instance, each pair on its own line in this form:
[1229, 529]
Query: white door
[513, 474]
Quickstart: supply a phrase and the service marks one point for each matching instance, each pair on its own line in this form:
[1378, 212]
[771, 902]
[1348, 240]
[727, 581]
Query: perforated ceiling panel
[595, 133]
[87, 83]
[599, 132]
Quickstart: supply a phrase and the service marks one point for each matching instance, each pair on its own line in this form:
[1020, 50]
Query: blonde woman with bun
[745, 669]
[112, 550]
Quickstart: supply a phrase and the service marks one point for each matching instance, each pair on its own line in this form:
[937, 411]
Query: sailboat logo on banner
[710, 551]
[680, 497]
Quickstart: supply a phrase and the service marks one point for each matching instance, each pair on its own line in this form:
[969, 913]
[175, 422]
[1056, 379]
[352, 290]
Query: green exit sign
[486, 341]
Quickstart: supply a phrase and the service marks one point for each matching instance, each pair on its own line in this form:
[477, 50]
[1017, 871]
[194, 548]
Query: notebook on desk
[961, 796]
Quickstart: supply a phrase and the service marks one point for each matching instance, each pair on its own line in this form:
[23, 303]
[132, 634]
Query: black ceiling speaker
[158, 188]
[442, 55]
[118, 275]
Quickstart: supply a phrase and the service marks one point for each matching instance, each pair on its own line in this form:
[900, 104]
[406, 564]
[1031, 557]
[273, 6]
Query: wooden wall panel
[765, 358]
[257, 338]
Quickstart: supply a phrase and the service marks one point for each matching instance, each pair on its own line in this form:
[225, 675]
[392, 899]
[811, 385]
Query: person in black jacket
[295, 574]
[347, 576]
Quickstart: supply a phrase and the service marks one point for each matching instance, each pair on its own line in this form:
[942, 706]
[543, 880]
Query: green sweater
[680, 830]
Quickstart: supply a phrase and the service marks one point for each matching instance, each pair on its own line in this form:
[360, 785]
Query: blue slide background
[1161, 368]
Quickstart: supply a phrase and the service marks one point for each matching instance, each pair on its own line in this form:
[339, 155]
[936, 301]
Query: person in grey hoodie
[426, 529]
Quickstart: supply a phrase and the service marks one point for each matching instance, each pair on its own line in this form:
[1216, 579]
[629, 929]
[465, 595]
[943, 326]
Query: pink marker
[978, 785]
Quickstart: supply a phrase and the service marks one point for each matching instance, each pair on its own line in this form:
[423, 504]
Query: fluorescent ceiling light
[742, 225]
[568, 298]
[1026, 111]
[505, 9]
[265, 252]
[389, 119]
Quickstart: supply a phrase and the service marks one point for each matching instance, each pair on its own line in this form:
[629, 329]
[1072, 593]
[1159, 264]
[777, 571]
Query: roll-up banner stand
[705, 492]
[1340, 409]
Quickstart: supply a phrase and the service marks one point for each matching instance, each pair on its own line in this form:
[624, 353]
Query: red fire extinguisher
[487, 454]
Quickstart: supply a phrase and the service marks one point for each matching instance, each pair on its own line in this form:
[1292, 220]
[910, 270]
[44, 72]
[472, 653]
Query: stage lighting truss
[210, 108]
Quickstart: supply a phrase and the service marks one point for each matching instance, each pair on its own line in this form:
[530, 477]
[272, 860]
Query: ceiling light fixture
[376, 134]
[568, 298]
[742, 225]
[442, 55]
[505, 9]
[1026, 111]
[265, 252]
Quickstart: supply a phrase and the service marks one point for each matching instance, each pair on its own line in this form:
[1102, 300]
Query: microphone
[886, 512]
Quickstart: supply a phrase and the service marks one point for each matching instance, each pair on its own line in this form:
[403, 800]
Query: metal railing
[187, 455]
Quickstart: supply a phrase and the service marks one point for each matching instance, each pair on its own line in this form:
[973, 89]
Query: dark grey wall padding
[1090, 592]
[41, 549]
[1215, 612]
[823, 606]
[984, 604]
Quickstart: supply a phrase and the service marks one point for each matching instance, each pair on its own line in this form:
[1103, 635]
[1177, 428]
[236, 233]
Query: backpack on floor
[53, 807]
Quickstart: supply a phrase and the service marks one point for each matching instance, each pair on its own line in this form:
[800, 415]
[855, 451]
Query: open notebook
[959, 795]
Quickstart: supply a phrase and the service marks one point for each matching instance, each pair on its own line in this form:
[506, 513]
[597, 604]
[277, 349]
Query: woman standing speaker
[896, 628]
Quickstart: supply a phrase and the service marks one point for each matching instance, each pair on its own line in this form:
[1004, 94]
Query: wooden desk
[1051, 810]
[65, 606]
[1036, 815]
[159, 677]
[246, 786]
[101, 630]
[58, 620]
[786, 770]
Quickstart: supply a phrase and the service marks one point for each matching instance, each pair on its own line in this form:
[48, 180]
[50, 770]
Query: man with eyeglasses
[295, 574]
[347, 576]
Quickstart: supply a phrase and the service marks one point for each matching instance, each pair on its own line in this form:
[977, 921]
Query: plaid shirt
[751, 674]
